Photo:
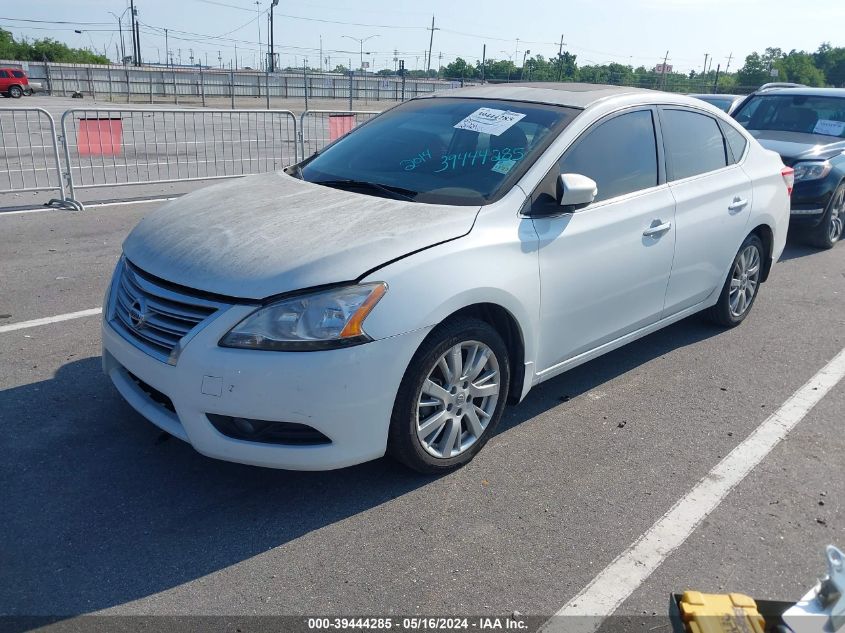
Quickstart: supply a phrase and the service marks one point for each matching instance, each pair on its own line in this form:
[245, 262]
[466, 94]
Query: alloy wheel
[458, 399]
[837, 215]
[744, 280]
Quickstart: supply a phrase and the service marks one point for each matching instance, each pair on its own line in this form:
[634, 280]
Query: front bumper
[810, 200]
[346, 394]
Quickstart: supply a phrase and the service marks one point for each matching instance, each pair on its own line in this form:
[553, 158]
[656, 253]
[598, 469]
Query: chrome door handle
[654, 231]
[737, 204]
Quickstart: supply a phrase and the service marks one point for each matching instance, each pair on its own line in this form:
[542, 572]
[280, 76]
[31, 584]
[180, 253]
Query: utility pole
[706, 55]
[483, 61]
[272, 38]
[439, 62]
[430, 43]
[321, 54]
[191, 55]
[716, 81]
[167, 54]
[134, 46]
[560, 59]
[258, 24]
[138, 38]
[663, 74]
[236, 57]
[220, 58]
[730, 57]
[179, 55]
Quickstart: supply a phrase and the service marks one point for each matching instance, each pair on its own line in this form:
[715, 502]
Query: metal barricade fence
[126, 146]
[318, 128]
[29, 153]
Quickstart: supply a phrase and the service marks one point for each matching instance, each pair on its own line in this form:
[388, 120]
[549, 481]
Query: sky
[634, 32]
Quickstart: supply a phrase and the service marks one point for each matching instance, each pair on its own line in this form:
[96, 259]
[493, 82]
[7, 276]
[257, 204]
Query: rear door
[713, 198]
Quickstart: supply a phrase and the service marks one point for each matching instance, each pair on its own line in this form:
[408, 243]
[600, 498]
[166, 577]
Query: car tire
[441, 428]
[15, 92]
[829, 230]
[741, 286]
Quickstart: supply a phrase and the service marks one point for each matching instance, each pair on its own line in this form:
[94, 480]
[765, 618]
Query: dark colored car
[726, 103]
[806, 126]
[13, 82]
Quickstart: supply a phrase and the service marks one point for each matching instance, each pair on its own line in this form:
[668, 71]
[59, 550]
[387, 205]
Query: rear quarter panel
[771, 202]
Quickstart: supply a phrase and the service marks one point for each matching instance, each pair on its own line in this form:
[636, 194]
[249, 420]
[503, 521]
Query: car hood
[795, 146]
[264, 235]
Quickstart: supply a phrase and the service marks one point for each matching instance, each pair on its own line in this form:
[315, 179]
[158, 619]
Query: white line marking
[11, 327]
[95, 205]
[632, 567]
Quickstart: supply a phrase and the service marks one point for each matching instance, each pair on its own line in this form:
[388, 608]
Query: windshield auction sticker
[826, 126]
[489, 121]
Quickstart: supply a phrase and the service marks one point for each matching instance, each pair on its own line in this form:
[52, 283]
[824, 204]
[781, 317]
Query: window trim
[658, 147]
[725, 144]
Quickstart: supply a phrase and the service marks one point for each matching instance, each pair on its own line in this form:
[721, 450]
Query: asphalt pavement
[102, 513]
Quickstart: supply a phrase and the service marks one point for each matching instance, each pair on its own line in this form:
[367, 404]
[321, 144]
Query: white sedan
[393, 292]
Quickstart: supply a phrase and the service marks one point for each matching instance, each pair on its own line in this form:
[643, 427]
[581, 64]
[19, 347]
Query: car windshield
[794, 113]
[441, 150]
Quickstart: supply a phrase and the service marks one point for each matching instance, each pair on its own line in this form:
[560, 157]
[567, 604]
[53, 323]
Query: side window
[694, 143]
[736, 141]
[17, 73]
[3, 74]
[619, 154]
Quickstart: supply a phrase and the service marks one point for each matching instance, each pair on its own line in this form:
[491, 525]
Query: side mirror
[576, 191]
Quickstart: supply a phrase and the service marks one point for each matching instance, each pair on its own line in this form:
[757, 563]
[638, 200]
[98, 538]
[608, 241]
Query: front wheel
[741, 286]
[15, 92]
[451, 397]
[830, 230]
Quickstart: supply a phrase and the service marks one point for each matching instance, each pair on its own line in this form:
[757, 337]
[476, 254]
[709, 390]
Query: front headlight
[811, 170]
[320, 320]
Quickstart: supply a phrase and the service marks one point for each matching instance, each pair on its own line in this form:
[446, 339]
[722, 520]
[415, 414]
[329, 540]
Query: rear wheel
[829, 231]
[451, 397]
[15, 92]
[741, 286]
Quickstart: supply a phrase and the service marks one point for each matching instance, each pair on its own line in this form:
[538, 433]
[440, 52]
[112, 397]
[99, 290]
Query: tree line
[45, 49]
[824, 67]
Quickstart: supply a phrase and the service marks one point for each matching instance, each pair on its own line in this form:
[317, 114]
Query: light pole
[90, 39]
[522, 71]
[272, 61]
[361, 41]
[119, 19]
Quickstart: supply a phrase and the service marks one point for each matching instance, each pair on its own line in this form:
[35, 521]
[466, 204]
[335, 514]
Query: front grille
[152, 317]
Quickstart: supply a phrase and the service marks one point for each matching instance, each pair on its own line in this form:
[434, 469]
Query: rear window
[3, 73]
[441, 150]
[18, 73]
[694, 143]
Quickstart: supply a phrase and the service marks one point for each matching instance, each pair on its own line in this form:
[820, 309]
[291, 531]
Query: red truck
[13, 82]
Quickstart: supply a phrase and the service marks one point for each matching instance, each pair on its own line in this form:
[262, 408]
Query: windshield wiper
[395, 192]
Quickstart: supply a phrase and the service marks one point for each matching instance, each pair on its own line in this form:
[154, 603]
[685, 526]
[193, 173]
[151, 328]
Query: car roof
[714, 96]
[805, 92]
[575, 95]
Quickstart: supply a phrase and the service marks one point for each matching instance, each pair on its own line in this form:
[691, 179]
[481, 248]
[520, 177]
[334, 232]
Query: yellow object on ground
[720, 613]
